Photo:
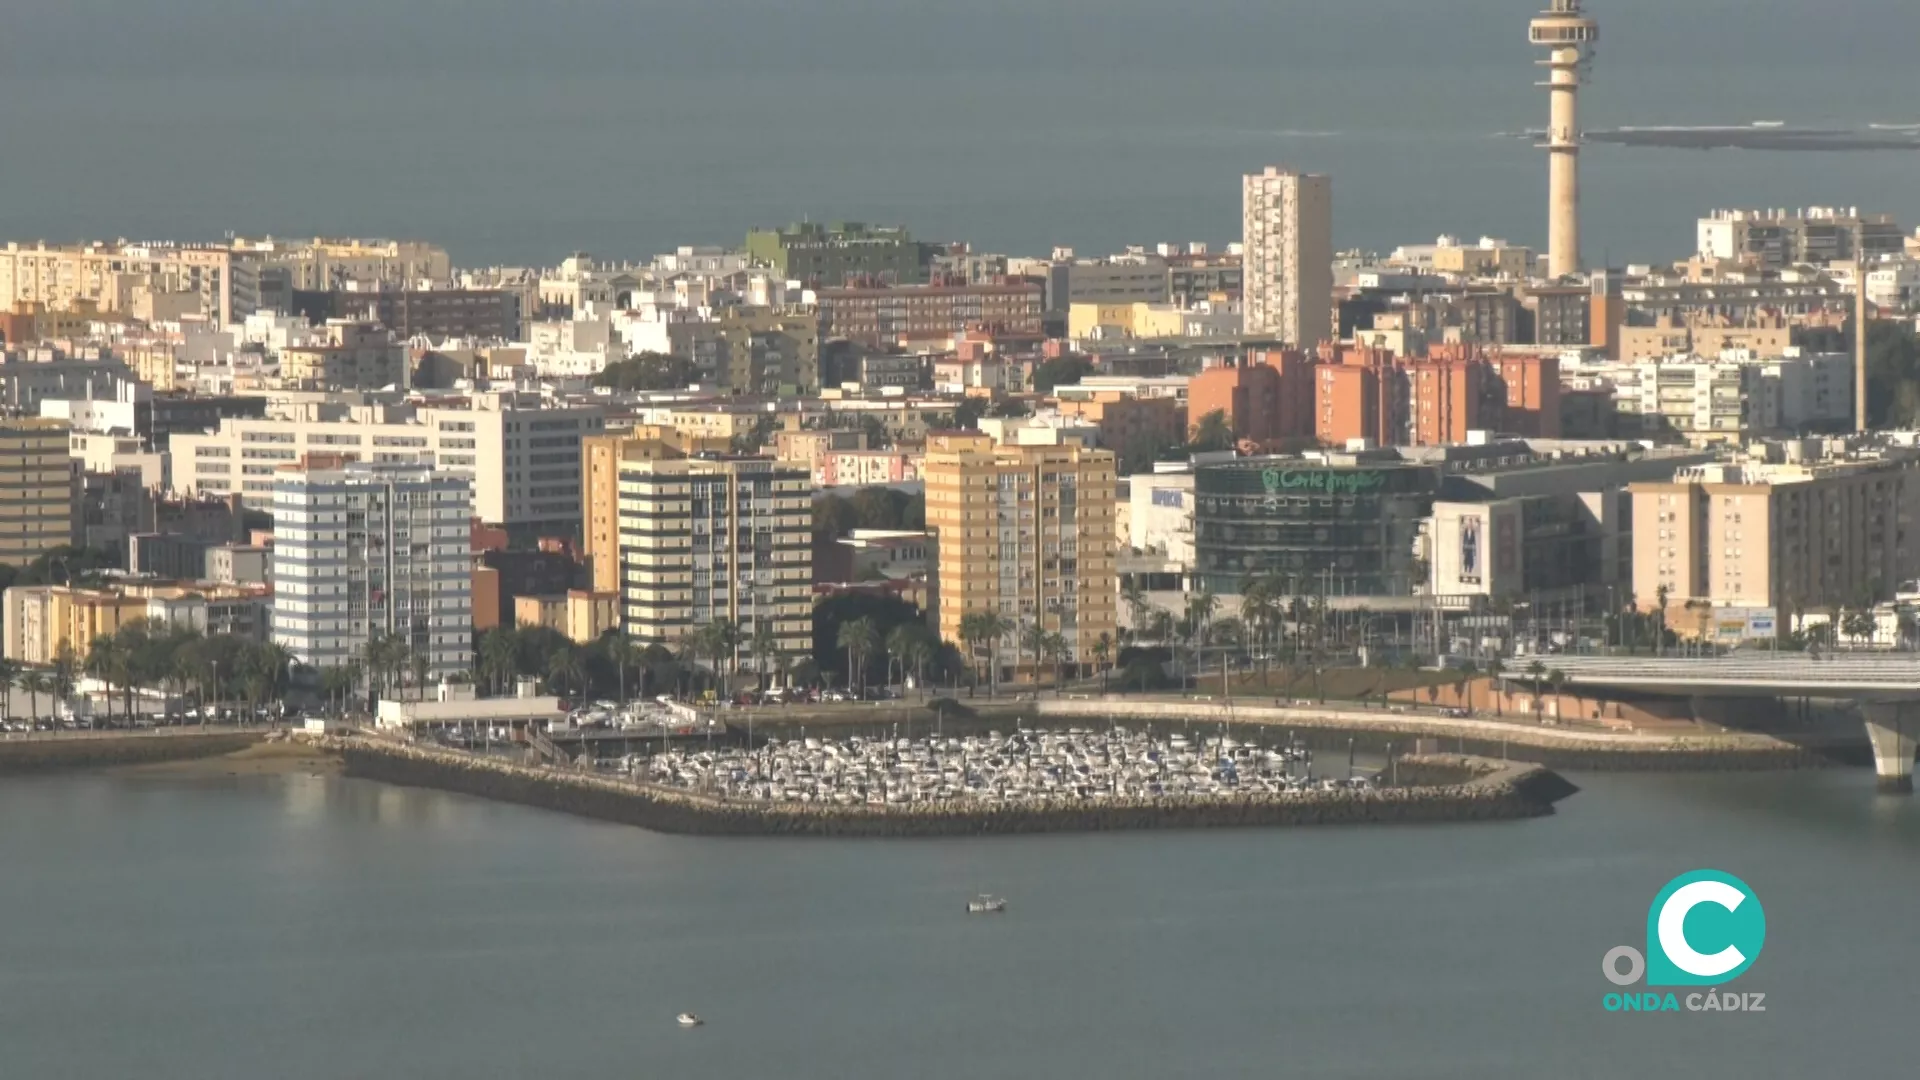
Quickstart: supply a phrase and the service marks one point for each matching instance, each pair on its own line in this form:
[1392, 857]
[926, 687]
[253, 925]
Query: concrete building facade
[1026, 532]
[363, 550]
[1789, 537]
[37, 488]
[703, 540]
[1287, 265]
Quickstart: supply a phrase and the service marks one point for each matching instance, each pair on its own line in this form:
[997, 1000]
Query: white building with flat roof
[521, 454]
[368, 550]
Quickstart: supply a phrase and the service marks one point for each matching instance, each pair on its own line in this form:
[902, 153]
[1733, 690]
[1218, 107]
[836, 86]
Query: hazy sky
[521, 130]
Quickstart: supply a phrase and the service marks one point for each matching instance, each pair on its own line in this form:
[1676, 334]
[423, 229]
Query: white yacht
[984, 904]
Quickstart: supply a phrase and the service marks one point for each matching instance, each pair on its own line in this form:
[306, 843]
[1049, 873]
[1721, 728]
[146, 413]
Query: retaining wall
[44, 754]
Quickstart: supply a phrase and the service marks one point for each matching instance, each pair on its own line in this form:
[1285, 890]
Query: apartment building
[885, 316]
[347, 355]
[363, 550]
[753, 350]
[116, 278]
[833, 254]
[324, 264]
[44, 620]
[601, 459]
[521, 454]
[708, 539]
[37, 488]
[1787, 536]
[1287, 265]
[1816, 235]
[1026, 532]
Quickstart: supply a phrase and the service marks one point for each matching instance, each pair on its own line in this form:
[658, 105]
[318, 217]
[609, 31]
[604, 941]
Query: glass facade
[1332, 530]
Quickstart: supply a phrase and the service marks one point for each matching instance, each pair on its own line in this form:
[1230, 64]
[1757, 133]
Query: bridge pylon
[1894, 729]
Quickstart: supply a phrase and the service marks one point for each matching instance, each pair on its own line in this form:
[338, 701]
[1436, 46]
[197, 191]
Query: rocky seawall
[1464, 789]
[34, 755]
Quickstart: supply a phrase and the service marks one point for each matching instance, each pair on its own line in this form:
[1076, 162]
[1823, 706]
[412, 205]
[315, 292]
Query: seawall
[47, 754]
[1466, 789]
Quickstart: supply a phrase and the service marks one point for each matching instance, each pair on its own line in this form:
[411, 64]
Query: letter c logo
[1673, 932]
[1728, 929]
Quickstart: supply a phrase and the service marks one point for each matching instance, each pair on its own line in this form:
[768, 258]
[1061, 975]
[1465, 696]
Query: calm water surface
[302, 927]
[517, 132]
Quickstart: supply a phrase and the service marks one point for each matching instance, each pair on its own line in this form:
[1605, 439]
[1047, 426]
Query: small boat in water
[689, 1020]
[985, 904]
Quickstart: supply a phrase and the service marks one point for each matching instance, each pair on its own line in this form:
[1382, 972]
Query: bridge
[1886, 686]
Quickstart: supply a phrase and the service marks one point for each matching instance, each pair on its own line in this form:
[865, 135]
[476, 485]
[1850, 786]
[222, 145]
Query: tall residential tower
[1569, 38]
[1287, 261]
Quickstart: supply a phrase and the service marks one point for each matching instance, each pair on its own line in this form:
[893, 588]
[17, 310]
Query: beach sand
[260, 759]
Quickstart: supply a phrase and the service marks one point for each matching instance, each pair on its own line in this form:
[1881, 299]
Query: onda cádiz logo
[1705, 928]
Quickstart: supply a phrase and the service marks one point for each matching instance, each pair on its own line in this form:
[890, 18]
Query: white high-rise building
[365, 549]
[1287, 257]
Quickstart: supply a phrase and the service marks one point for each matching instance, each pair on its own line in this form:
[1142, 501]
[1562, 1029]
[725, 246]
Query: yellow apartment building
[1028, 532]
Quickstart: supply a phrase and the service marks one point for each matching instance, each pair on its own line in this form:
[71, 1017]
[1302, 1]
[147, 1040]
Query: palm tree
[859, 638]
[1033, 638]
[1494, 670]
[422, 664]
[10, 672]
[1135, 597]
[500, 656]
[986, 628]
[921, 651]
[65, 665]
[1103, 656]
[900, 643]
[726, 646]
[1200, 609]
[764, 645]
[36, 683]
[1557, 682]
[1055, 648]
[622, 654]
[1464, 688]
[1660, 597]
[566, 670]
[1537, 672]
[264, 671]
[1259, 607]
[106, 661]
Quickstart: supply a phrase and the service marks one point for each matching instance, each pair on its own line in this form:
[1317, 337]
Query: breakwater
[51, 753]
[1574, 750]
[1465, 789]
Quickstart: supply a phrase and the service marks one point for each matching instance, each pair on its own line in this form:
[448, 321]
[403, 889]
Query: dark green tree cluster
[649, 371]
[1060, 371]
[877, 640]
[1213, 432]
[868, 508]
[64, 565]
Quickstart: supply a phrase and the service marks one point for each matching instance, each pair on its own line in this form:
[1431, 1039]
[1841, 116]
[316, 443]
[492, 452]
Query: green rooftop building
[832, 255]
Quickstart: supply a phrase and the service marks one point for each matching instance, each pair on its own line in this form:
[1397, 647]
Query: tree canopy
[63, 565]
[649, 371]
[1212, 433]
[1061, 370]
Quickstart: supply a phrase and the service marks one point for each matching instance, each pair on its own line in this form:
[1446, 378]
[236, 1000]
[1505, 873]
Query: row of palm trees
[983, 632]
[141, 656]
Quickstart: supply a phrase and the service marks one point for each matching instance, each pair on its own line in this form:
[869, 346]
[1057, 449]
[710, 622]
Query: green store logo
[1319, 480]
